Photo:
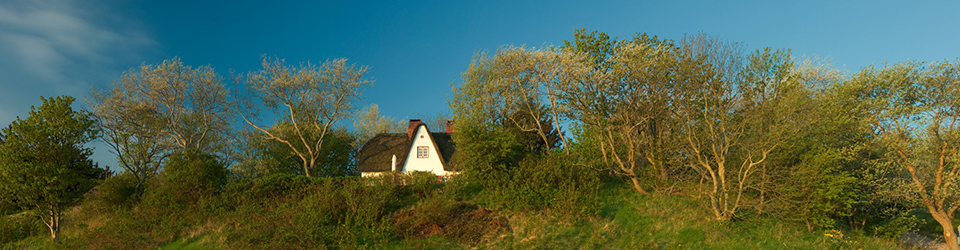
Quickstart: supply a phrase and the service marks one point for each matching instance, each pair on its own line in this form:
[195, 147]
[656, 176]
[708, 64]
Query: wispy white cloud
[62, 47]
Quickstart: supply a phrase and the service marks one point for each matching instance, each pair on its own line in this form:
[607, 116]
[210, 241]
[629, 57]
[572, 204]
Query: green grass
[633, 221]
[193, 243]
[627, 220]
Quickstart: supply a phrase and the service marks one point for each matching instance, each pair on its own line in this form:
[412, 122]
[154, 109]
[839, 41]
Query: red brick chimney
[449, 129]
[413, 126]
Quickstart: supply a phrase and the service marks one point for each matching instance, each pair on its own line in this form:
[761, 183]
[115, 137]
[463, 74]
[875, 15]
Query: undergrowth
[296, 212]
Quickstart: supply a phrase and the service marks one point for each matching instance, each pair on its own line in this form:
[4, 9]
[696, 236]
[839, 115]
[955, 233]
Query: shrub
[295, 211]
[117, 190]
[271, 188]
[191, 174]
[20, 226]
[893, 228]
[543, 182]
[513, 173]
[422, 184]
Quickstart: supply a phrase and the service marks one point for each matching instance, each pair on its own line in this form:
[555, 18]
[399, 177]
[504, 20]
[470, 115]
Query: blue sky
[416, 49]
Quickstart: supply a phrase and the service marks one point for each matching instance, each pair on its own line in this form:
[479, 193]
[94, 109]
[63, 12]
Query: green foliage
[751, 118]
[516, 89]
[310, 98]
[337, 155]
[661, 221]
[814, 190]
[598, 46]
[910, 108]
[368, 123]
[18, 227]
[155, 106]
[44, 163]
[488, 153]
[264, 157]
[299, 211]
[894, 227]
[832, 177]
[133, 130]
[422, 184]
[118, 190]
[294, 212]
[511, 176]
[550, 181]
[191, 174]
[281, 211]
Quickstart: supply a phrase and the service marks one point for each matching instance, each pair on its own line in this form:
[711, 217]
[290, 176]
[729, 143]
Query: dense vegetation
[601, 143]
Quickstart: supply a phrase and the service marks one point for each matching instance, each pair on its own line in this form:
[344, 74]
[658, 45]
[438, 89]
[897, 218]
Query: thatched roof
[376, 154]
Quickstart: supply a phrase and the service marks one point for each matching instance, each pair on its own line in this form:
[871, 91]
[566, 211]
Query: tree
[815, 178]
[156, 109]
[622, 91]
[369, 123]
[734, 112]
[436, 122]
[338, 155]
[44, 164]
[133, 131]
[151, 111]
[312, 98]
[914, 111]
[517, 87]
[266, 157]
[191, 104]
[597, 47]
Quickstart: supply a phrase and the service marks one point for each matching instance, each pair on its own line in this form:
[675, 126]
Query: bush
[295, 211]
[543, 182]
[192, 174]
[20, 226]
[117, 190]
[272, 188]
[423, 184]
[896, 226]
[513, 175]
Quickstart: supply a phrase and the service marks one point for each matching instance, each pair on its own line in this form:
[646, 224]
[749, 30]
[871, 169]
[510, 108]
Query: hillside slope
[298, 215]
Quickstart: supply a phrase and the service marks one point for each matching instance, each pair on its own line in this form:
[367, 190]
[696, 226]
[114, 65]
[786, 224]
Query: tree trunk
[714, 205]
[715, 200]
[946, 222]
[54, 223]
[566, 148]
[138, 190]
[54, 230]
[306, 167]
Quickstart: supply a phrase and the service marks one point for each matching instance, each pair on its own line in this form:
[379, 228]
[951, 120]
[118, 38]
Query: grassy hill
[286, 212]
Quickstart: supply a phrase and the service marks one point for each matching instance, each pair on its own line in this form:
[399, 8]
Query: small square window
[423, 152]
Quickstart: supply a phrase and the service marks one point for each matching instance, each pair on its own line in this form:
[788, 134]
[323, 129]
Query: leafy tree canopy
[44, 164]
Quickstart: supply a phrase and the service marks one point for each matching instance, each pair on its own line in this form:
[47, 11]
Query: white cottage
[417, 150]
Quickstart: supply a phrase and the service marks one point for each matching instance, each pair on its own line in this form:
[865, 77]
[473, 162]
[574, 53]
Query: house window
[422, 152]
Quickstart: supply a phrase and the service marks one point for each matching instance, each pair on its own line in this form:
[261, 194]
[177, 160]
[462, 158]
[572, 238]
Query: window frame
[423, 152]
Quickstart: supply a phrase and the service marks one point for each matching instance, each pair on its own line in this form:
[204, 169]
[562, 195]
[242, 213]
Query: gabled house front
[417, 150]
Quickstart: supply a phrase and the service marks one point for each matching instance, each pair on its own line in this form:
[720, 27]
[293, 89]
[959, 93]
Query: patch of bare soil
[459, 221]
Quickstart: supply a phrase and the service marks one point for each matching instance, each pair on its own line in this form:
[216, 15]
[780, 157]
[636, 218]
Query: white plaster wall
[432, 163]
[369, 174]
